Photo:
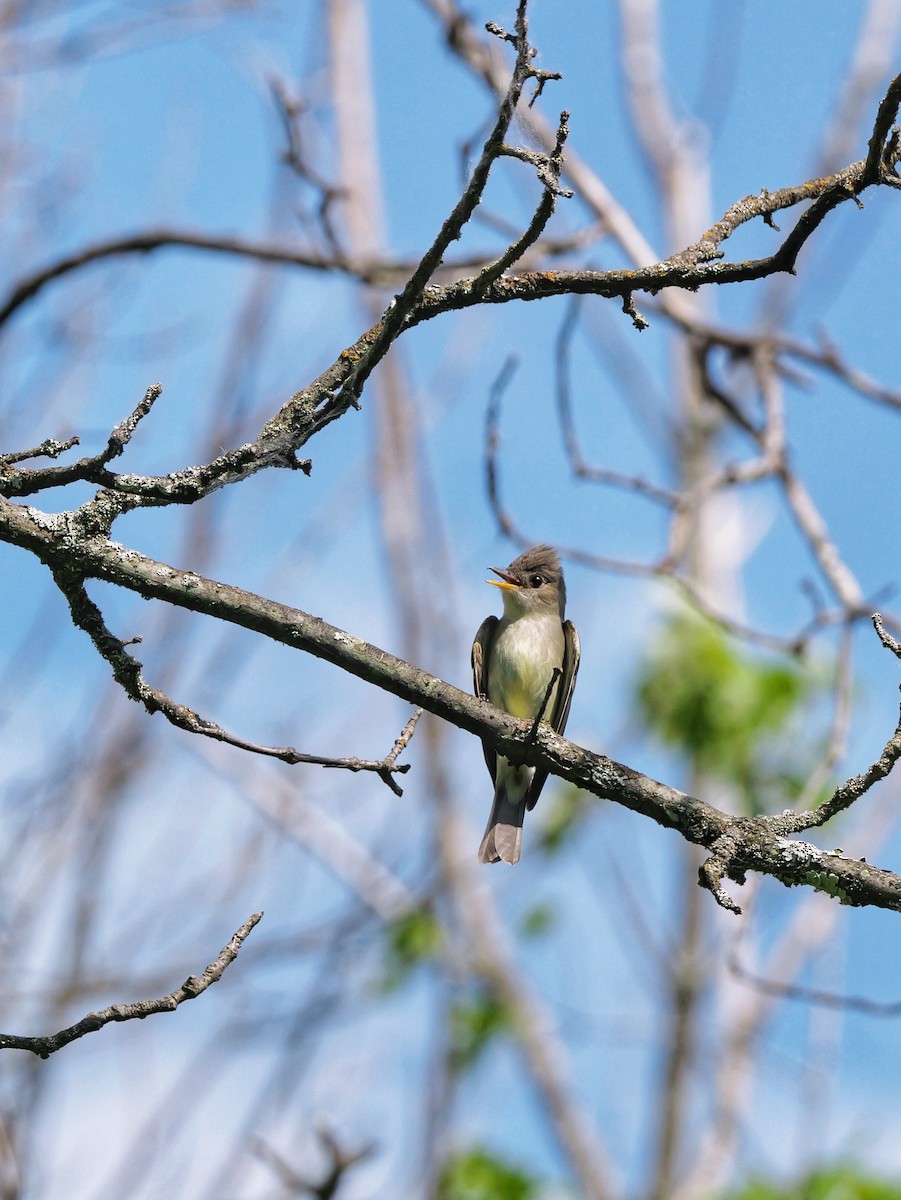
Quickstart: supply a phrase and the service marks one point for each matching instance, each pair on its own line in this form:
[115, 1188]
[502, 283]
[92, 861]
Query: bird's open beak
[506, 581]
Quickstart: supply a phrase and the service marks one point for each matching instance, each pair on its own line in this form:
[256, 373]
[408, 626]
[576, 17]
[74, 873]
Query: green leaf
[412, 939]
[560, 818]
[730, 713]
[537, 920]
[474, 1023]
[477, 1175]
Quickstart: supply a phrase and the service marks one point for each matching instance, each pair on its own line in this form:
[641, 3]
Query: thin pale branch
[580, 468]
[815, 996]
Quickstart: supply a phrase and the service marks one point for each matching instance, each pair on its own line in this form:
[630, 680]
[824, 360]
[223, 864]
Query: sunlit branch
[737, 844]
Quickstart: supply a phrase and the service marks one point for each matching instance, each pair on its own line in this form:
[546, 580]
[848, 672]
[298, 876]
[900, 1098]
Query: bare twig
[93, 468]
[548, 168]
[127, 672]
[882, 152]
[841, 720]
[885, 637]
[580, 468]
[401, 310]
[492, 443]
[340, 1161]
[697, 264]
[194, 985]
[50, 448]
[400, 744]
[852, 789]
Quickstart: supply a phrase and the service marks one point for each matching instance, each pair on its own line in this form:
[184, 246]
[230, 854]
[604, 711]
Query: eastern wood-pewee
[514, 662]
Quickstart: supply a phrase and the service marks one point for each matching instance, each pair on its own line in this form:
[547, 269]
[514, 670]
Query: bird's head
[532, 584]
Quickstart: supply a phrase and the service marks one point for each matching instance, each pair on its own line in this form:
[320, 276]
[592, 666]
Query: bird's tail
[503, 834]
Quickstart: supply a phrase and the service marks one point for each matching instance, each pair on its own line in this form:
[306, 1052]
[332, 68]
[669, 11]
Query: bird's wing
[481, 649]
[572, 652]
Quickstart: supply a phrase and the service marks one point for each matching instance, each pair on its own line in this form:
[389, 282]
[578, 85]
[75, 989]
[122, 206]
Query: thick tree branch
[737, 844]
[194, 985]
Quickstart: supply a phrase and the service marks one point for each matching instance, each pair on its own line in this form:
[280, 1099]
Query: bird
[525, 662]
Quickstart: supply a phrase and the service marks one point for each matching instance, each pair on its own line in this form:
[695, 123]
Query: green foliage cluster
[474, 1022]
[537, 920]
[826, 1183]
[478, 1175]
[727, 712]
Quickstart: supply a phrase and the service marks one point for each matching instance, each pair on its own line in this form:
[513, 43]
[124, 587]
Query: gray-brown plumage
[514, 661]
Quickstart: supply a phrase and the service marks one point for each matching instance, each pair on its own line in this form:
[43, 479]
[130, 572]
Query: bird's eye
[536, 581]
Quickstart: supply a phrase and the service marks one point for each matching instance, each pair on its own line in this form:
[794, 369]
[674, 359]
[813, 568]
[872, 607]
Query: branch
[338, 388]
[127, 672]
[340, 1161]
[845, 795]
[50, 448]
[698, 265]
[548, 169]
[885, 637]
[579, 467]
[737, 844]
[794, 991]
[93, 469]
[371, 272]
[400, 311]
[193, 986]
[882, 152]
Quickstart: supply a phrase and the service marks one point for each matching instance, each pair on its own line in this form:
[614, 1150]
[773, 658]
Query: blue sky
[181, 131]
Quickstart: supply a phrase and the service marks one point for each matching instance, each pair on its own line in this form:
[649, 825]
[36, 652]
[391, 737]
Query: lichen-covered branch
[737, 844]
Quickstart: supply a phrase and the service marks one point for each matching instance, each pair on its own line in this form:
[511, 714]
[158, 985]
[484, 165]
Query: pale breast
[523, 657]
